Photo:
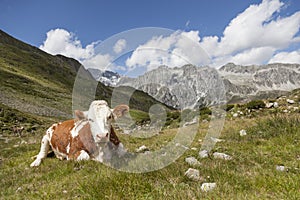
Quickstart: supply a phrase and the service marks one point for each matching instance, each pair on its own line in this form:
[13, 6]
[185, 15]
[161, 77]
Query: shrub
[255, 104]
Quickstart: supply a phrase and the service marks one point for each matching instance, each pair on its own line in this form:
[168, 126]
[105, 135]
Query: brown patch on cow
[113, 137]
[84, 141]
[61, 136]
[120, 110]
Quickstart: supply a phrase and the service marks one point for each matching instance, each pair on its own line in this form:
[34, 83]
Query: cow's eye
[110, 117]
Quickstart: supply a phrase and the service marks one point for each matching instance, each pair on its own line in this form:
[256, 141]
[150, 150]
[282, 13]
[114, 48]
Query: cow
[89, 136]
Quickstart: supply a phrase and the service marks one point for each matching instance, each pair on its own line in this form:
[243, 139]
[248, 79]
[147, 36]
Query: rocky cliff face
[184, 87]
[254, 81]
[191, 86]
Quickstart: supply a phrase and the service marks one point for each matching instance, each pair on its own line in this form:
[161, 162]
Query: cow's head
[100, 117]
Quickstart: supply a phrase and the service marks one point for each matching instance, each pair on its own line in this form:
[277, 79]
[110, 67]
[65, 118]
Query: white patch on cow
[78, 126]
[50, 131]
[59, 154]
[68, 148]
[100, 116]
[83, 156]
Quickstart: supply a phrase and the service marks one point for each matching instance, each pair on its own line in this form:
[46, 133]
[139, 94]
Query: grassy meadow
[272, 139]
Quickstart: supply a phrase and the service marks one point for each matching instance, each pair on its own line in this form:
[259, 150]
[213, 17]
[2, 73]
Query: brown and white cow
[89, 136]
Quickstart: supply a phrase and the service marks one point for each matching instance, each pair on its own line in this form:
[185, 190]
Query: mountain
[36, 82]
[191, 86]
[259, 81]
[106, 77]
[184, 87]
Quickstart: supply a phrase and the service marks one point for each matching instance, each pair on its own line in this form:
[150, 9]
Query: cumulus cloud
[174, 50]
[286, 57]
[252, 37]
[98, 61]
[120, 46]
[258, 35]
[60, 41]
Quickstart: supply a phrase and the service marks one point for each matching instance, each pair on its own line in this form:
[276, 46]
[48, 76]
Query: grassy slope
[36, 82]
[272, 139]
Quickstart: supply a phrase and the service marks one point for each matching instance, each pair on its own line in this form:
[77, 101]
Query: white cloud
[60, 41]
[120, 46]
[174, 50]
[98, 61]
[252, 37]
[286, 57]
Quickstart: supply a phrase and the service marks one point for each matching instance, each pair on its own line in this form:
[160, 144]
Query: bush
[229, 107]
[205, 111]
[255, 104]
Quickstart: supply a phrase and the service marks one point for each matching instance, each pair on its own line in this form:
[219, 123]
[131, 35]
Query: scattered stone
[65, 191]
[269, 105]
[141, 149]
[285, 111]
[193, 174]
[290, 101]
[203, 154]
[275, 105]
[23, 142]
[216, 139]
[206, 187]
[222, 156]
[19, 189]
[194, 149]
[280, 168]
[235, 115]
[243, 132]
[296, 108]
[192, 161]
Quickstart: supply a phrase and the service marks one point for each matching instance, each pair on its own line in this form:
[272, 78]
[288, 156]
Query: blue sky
[219, 26]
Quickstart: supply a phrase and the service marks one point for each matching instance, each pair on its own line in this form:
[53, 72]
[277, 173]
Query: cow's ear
[80, 114]
[120, 111]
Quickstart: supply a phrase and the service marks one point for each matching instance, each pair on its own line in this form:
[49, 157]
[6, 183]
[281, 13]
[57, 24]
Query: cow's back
[69, 138]
[60, 139]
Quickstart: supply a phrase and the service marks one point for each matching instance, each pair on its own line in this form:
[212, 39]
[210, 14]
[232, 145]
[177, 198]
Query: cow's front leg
[43, 152]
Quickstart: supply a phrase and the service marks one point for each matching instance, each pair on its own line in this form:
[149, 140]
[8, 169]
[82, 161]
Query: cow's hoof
[36, 163]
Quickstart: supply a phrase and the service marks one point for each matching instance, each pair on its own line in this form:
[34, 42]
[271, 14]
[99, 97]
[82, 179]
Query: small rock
[269, 105]
[203, 154]
[192, 161]
[275, 105]
[222, 156]
[23, 142]
[285, 111]
[296, 108]
[235, 115]
[65, 191]
[19, 189]
[216, 139]
[280, 168]
[194, 148]
[290, 101]
[193, 174]
[205, 187]
[243, 132]
[142, 148]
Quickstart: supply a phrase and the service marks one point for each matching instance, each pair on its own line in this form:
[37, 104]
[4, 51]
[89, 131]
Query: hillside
[39, 83]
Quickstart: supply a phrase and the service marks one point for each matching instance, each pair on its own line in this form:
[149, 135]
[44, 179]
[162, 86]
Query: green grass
[252, 173]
